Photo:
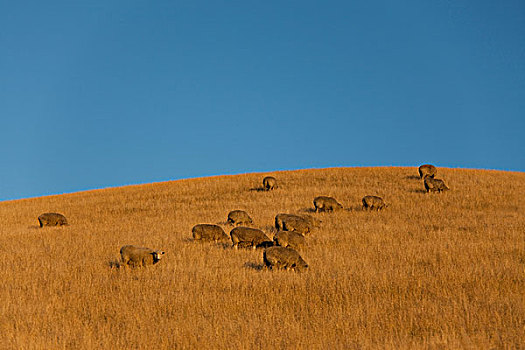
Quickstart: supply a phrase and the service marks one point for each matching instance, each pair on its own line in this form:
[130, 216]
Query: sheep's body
[269, 183]
[249, 237]
[284, 258]
[138, 256]
[290, 239]
[291, 222]
[427, 170]
[52, 219]
[239, 217]
[373, 202]
[435, 185]
[208, 232]
[324, 203]
[313, 222]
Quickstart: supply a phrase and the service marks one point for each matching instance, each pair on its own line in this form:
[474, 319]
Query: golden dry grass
[431, 271]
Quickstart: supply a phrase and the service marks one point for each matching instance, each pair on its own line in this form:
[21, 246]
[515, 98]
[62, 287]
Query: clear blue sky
[106, 93]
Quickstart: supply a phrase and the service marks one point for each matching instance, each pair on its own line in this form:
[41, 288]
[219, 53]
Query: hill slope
[430, 270]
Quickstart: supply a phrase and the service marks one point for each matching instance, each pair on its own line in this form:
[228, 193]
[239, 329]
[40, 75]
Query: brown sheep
[249, 237]
[52, 219]
[138, 256]
[239, 217]
[269, 183]
[427, 170]
[208, 232]
[279, 220]
[313, 222]
[284, 258]
[435, 185]
[290, 239]
[291, 222]
[373, 202]
[324, 203]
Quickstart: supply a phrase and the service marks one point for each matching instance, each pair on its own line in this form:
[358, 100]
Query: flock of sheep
[281, 252]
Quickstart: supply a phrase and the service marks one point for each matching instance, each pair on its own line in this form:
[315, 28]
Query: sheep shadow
[354, 208]
[418, 191]
[224, 245]
[412, 177]
[54, 227]
[308, 210]
[254, 266]
[258, 189]
[114, 264]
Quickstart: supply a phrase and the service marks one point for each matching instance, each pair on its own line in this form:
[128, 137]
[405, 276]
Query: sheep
[290, 239]
[249, 237]
[282, 217]
[284, 258]
[138, 256]
[427, 170]
[313, 222]
[239, 217]
[269, 183]
[52, 219]
[208, 232]
[291, 222]
[435, 185]
[324, 203]
[373, 202]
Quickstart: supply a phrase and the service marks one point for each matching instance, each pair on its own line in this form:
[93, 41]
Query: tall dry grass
[435, 271]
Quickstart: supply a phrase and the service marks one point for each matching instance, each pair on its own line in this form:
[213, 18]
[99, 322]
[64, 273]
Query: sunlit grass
[430, 271]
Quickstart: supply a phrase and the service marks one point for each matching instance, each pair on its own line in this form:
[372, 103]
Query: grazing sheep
[279, 218]
[269, 183]
[208, 232]
[284, 258]
[249, 237]
[324, 203]
[313, 222]
[52, 219]
[435, 185]
[373, 202]
[290, 239]
[291, 222]
[137, 256]
[239, 217]
[427, 170]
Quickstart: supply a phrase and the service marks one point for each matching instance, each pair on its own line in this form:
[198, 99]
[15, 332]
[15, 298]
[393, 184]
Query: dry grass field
[432, 271]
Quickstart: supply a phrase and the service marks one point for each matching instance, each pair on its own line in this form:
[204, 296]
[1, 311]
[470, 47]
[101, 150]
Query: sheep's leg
[124, 262]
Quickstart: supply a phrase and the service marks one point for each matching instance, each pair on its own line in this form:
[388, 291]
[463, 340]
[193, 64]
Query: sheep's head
[157, 255]
[300, 266]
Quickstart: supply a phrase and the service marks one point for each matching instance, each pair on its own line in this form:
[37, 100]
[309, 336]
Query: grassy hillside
[431, 271]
